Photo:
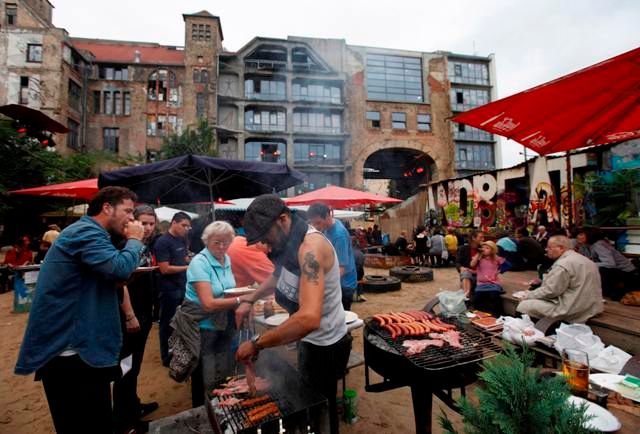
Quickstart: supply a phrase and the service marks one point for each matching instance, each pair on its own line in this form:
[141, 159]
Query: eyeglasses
[217, 243]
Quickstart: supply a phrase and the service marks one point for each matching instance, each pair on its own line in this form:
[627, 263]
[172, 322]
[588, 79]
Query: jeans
[216, 362]
[126, 404]
[322, 367]
[169, 302]
[79, 396]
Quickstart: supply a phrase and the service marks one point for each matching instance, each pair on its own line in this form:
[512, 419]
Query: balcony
[265, 65]
[318, 98]
[316, 129]
[264, 96]
[260, 128]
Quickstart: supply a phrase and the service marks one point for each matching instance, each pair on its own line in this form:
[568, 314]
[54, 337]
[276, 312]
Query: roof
[124, 52]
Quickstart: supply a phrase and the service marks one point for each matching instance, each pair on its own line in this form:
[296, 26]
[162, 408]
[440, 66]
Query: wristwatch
[254, 341]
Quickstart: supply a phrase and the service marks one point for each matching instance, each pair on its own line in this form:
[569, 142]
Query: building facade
[340, 113]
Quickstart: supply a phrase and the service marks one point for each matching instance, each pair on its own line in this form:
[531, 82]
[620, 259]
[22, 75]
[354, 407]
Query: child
[487, 263]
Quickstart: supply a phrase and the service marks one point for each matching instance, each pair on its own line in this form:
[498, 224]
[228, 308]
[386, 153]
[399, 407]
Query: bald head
[557, 245]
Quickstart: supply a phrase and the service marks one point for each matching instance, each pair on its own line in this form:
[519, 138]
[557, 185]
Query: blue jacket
[76, 304]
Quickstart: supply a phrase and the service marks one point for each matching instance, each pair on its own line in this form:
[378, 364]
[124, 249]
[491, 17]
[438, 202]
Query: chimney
[136, 56]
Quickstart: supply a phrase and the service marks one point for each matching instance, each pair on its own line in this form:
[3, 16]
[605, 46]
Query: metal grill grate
[237, 416]
[477, 347]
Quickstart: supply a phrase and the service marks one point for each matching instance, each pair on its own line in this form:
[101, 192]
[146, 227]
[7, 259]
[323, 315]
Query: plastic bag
[611, 359]
[452, 302]
[578, 337]
[517, 330]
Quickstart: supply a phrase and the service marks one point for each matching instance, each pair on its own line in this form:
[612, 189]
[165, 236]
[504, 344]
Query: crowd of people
[105, 279]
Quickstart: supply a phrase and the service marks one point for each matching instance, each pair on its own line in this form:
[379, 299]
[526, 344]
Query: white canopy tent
[165, 213]
[243, 203]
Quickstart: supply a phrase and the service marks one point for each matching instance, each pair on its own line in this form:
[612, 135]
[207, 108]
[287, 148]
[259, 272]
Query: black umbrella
[194, 178]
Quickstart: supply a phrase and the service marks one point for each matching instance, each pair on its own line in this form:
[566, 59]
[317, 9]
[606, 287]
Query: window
[265, 88]
[319, 180]
[468, 72]
[465, 99]
[399, 120]
[200, 75]
[108, 103]
[127, 103]
[34, 53]
[162, 84]
[394, 78]
[74, 94]
[117, 103]
[304, 62]
[107, 72]
[111, 139]
[201, 105]
[270, 152]
[424, 122]
[464, 132]
[72, 135]
[267, 57]
[474, 156]
[200, 32]
[265, 120]
[11, 11]
[24, 90]
[317, 91]
[311, 121]
[317, 153]
[373, 119]
[96, 102]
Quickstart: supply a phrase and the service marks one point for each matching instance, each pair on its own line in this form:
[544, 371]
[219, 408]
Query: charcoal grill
[299, 404]
[436, 371]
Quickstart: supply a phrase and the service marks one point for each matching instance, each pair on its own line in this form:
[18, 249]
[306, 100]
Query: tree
[199, 141]
[515, 399]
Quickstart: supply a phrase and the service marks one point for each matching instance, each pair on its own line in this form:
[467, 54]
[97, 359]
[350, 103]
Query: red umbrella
[339, 197]
[593, 106]
[84, 189]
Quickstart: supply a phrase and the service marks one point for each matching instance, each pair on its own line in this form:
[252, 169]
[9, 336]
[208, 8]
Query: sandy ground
[23, 406]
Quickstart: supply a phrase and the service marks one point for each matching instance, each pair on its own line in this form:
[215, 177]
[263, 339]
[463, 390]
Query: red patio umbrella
[596, 105]
[339, 197]
[84, 189]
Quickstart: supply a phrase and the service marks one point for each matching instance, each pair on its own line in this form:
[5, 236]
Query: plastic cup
[350, 406]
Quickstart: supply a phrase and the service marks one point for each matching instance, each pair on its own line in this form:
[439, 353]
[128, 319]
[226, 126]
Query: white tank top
[332, 324]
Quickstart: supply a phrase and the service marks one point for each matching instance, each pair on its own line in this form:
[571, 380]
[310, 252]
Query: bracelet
[237, 301]
[247, 301]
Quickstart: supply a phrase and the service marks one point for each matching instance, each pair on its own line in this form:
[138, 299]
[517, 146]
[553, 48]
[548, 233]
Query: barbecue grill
[299, 404]
[435, 371]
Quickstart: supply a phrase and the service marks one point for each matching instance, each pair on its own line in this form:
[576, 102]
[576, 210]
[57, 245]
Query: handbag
[445, 254]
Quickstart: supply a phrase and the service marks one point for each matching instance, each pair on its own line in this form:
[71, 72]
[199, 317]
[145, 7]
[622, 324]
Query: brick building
[339, 113]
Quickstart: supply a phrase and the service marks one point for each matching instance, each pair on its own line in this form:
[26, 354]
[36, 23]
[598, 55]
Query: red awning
[594, 106]
[339, 197]
[84, 189]
[32, 117]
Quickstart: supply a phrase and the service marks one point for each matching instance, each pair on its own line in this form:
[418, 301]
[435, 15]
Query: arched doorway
[405, 170]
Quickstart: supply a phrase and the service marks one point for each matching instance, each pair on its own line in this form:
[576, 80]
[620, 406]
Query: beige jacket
[572, 289]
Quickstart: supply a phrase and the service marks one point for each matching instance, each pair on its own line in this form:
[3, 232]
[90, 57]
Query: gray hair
[219, 227]
[561, 241]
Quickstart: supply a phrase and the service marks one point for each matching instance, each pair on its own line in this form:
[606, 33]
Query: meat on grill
[411, 323]
[451, 337]
[229, 402]
[257, 414]
[250, 402]
[240, 386]
[418, 346]
[250, 370]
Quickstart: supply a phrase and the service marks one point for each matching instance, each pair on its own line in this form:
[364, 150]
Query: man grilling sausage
[306, 283]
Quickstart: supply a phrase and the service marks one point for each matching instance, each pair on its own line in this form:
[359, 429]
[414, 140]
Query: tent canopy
[243, 203]
[339, 197]
[596, 105]
[165, 213]
[84, 189]
[195, 178]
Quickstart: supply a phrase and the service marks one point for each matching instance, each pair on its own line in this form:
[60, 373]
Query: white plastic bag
[611, 359]
[452, 302]
[578, 337]
[517, 330]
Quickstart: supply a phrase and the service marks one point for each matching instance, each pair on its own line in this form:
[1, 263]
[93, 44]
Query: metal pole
[569, 188]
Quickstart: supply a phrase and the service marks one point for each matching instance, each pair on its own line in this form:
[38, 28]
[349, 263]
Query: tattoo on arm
[311, 267]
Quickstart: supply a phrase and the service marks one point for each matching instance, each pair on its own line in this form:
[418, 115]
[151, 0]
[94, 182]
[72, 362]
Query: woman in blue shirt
[208, 275]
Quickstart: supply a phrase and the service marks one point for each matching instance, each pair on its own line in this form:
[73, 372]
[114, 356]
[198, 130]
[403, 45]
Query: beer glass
[575, 367]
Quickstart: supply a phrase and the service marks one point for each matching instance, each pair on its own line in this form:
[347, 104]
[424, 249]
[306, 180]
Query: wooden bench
[618, 325]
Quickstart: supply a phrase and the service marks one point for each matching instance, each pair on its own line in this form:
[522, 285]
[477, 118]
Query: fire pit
[434, 371]
[298, 405]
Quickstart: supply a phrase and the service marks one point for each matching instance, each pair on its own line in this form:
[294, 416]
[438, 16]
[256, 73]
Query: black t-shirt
[141, 287]
[174, 251]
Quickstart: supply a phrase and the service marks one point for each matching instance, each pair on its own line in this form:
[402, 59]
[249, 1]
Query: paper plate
[350, 317]
[238, 291]
[277, 319]
[145, 269]
[602, 420]
[612, 382]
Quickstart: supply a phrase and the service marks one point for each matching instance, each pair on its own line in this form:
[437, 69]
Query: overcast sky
[534, 41]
